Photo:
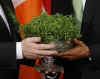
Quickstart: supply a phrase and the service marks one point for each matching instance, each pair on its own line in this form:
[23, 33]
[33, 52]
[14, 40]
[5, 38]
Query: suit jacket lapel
[7, 7]
[88, 16]
[4, 31]
[88, 11]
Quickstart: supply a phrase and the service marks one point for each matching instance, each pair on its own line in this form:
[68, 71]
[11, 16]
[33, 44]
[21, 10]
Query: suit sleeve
[8, 68]
[8, 55]
[95, 54]
[91, 33]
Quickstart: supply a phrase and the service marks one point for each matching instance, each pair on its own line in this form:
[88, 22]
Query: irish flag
[26, 9]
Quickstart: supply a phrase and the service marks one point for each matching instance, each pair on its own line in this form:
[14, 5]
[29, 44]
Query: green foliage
[52, 28]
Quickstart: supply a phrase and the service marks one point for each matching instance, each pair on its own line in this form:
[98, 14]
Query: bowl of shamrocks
[58, 29]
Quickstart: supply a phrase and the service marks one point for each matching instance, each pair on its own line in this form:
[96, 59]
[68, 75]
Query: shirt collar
[84, 1]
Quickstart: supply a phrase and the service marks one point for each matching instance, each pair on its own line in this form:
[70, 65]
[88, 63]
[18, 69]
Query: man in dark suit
[9, 50]
[85, 57]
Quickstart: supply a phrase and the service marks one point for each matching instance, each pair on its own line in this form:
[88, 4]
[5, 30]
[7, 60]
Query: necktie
[78, 9]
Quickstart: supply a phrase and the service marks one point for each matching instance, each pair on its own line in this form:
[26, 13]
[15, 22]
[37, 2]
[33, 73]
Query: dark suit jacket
[8, 66]
[90, 29]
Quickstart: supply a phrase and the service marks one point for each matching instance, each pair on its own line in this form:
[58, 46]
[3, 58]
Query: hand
[32, 49]
[80, 51]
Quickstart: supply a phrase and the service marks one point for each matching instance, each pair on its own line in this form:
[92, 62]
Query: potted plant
[53, 28]
[56, 28]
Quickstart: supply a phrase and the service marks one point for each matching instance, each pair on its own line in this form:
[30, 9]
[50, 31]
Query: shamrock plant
[52, 28]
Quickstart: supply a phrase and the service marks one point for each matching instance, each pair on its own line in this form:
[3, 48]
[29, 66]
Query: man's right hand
[31, 48]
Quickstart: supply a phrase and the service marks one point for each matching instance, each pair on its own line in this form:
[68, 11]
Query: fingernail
[52, 45]
[54, 52]
[38, 39]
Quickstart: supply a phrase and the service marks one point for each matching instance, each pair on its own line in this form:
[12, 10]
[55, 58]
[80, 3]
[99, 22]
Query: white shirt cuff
[19, 54]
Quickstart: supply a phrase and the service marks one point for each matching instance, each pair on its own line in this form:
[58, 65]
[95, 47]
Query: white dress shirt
[84, 1]
[18, 44]
[19, 54]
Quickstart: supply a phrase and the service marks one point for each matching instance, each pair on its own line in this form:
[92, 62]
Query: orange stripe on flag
[27, 72]
[27, 9]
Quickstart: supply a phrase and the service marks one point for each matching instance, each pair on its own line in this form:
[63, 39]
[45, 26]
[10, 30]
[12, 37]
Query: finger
[66, 53]
[78, 42]
[35, 56]
[69, 57]
[40, 57]
[73, 51]
[44, 52]
[66, 57]
[31, 56]
[62, 54]
[43, 46]
[34, 39]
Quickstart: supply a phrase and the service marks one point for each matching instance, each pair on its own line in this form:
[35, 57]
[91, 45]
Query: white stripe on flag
[17, 2]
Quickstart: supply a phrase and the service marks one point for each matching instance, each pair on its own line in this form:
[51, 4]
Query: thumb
[34, 39]
[78, 42]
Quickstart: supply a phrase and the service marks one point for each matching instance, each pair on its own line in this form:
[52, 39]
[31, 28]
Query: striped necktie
[78, 9]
